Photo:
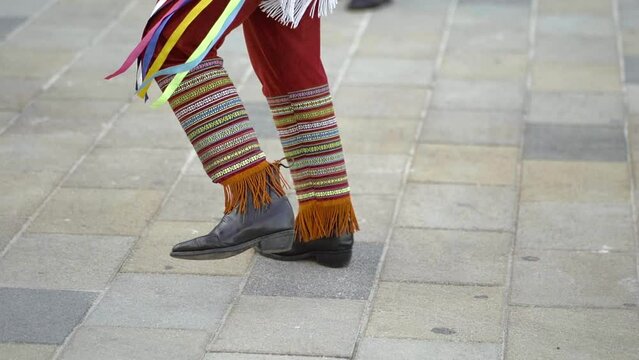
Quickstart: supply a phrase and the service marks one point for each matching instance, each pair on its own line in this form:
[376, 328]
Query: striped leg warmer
[306, 124]
[216, 123]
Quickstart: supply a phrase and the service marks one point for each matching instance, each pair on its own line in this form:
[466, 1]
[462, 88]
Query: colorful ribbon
[220, 26]
[149, 42]
[146, 39]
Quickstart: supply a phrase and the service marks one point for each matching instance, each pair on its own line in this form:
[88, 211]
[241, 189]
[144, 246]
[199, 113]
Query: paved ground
[492, 149]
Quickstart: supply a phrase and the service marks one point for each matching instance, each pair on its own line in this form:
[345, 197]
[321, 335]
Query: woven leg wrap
[216, 123]
[306, 124]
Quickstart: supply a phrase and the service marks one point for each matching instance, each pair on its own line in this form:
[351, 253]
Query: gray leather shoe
[329, 251]
[271, 225]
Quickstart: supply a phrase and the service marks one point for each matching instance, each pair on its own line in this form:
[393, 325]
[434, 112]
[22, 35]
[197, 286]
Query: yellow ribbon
[170, 44]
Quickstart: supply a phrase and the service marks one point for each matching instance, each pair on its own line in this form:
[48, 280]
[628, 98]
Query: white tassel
[291, 12]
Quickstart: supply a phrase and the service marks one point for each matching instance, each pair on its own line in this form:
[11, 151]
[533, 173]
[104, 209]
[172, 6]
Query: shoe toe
[188, 245]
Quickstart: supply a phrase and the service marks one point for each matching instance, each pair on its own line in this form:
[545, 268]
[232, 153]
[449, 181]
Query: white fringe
[291, 12]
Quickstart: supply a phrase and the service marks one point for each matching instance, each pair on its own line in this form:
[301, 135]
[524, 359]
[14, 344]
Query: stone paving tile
[374, 215]
[574, 181]
[477, 15]
[409, 349]
[472, 127]
[628, 16]
[389, 71]
[384, 102]
[308, 279]
[558, 225]
[574, 142]
[6, 117]
[576, 108]
[9, 227]
[576, 49]
[16, 92]
[63, 261]
[41, 152]
[466, 207]
[593, 7]
[424, 46]
[81, 85]
[151, 252]
[631, 66]
[632, 93]
[480, 66]
[129, 168]
[22, 193]
[26, 7]
[110, 343]
[239, 356]
[446, 256]
[375, 174]
[379, 136]
[547, 76]
[583, 25]
[477, 95]
[413, 24]
[630, 42]
[15, 351]
[195, 198]
[148, 130]
[41, 316]
[436, 312]
[488, 40]
[486, 165]
[120, 211]
[589, 334]
[98, 14]
[261, 119]
[27, 63]
[9, 24]
[67, 37]
[54, 117]
[292, 326]
[165, 301]
[546, 277]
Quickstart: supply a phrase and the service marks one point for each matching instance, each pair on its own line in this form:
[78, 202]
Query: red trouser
[288, 64]
[284, 59]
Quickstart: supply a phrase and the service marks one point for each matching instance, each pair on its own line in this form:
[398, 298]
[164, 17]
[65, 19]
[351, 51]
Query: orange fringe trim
[253, 183]
[317, 219]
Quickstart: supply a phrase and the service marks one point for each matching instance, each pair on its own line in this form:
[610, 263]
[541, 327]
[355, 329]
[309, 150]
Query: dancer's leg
[287, 62]
[215, 121]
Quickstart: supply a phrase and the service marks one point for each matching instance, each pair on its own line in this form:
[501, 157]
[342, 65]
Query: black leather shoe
[329, 251]
[366, 4]
[271, 225]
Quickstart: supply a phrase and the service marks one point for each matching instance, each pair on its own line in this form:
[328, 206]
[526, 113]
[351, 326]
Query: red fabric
[284, 59]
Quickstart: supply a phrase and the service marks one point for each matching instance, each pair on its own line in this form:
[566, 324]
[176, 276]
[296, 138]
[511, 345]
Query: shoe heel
[334, 259]
[281, 241]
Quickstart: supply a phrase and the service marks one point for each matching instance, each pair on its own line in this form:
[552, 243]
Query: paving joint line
[352, 50]
[505, 313]
[28, 21]
[629, 140]
[367, 312]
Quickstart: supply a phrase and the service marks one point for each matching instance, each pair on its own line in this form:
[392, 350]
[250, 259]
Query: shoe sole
[334, 259]
[276, 242]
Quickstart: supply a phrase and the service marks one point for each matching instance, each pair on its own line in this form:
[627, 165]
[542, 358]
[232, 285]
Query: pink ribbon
[143, 44]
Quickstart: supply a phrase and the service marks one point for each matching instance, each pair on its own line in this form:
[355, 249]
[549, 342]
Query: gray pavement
[492, 148]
